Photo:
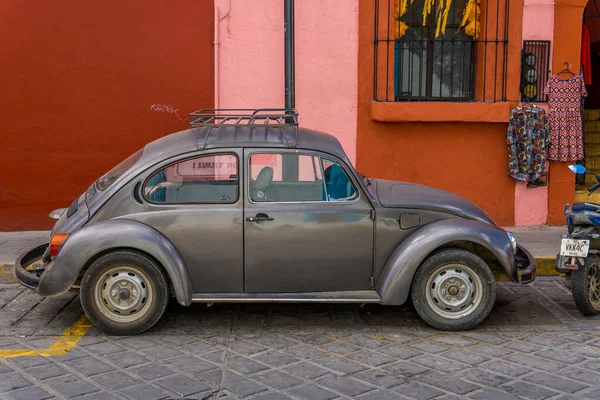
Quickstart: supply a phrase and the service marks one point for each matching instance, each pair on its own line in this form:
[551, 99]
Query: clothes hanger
[566, 70]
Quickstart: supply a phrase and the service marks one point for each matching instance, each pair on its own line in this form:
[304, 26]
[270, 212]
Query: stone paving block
[560, 356]
[277, 379]
[152, 371]
[245, 365]
[275, 342]
[312, 392]
[73, 354]
[271, 396]
[183, 385]
[4, 369]
[28, 362]
[489, 394]
[448, 382]
[582, 375]
[381, 395]
[306, 370]
[104, 349]
[545, 340]
[127, 359]
[523, 347]
[489, 338]
[367, 341]
[400, 352]
[116, 380]
[535, 362]
[429, 347]
[345, 385]
[70, 385]
[100, 396]
[454, 340]
[528, 390]
[405, 369]
[380, 378]
[466, 356]
[275, 358]
[305, 352]
[13, 381]
[439, 363]
[90, 366]
[135, 342]
[371, 358]
[582, 350]
[30, 393]
[144, 392]
[506, 368]
[418, 391]
[246, 348]
[241, 386]
[571, 337]
[339, 364]
[46, 371]
[341, 348]
[311, 339]
[555, 382]
[484, 377]
[190, 363]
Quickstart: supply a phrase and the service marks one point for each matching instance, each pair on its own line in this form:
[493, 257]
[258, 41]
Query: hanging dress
[564, 117]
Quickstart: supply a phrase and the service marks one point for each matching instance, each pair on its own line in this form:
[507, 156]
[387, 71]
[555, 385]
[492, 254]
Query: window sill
[438, 111]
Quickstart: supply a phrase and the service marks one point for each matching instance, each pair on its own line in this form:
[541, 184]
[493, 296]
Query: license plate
[574, 247]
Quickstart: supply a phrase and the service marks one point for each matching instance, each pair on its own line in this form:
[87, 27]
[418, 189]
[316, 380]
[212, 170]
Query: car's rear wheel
[124, 292]
[454, 290]
[586, 286]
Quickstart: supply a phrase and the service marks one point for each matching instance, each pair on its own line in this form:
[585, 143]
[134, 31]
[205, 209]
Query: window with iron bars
[419, 62]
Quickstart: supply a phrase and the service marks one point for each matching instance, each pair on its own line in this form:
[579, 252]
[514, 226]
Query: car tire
[582, 280]
[453, 290]
[124, 292]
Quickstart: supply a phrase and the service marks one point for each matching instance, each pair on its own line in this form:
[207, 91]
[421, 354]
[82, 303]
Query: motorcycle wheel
[586, 286]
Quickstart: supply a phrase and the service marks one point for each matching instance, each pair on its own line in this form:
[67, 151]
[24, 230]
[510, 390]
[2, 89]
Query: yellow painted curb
[545, 266]
[6, 272]
[63, 344]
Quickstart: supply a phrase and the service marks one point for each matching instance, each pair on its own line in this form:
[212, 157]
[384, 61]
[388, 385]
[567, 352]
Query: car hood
[392, 194]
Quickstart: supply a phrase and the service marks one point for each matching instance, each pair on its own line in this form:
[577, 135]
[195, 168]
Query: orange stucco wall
[566, 48]
[78, 80]
[462, 152]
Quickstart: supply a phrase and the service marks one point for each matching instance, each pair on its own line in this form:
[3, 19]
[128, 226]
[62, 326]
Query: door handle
[259, 218]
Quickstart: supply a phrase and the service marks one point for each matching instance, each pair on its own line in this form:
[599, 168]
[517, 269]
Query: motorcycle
[579, 257]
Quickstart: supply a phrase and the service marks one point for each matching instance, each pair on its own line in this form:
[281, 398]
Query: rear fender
[396, 279]
[91, 240]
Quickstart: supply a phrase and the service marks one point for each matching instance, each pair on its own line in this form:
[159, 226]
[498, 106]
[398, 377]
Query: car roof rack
[260, 117]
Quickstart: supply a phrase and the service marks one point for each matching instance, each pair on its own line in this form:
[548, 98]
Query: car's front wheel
[124, 292]
[454, 290]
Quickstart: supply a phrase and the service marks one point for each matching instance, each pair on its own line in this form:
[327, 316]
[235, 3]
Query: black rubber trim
[28, 278]
[526, 265]
[136, 192]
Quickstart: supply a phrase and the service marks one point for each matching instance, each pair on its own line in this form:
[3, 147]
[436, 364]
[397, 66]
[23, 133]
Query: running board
[354, 296]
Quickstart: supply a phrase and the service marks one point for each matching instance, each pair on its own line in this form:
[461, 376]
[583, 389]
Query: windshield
[111, 176]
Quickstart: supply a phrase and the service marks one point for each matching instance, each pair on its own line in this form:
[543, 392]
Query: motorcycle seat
[585, 206]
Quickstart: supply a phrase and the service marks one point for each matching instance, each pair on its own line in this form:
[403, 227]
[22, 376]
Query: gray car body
[210, 252]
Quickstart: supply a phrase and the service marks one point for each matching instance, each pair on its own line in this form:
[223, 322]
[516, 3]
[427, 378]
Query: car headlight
[513, 242]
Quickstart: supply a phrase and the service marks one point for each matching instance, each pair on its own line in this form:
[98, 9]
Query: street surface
[535, 345]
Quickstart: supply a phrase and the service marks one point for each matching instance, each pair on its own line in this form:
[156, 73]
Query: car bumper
[526, 265]
[30, 277]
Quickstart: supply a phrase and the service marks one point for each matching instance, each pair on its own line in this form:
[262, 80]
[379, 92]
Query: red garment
[585, 55]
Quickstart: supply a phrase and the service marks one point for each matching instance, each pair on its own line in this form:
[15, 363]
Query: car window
[337, 183]
[206, 179]
[111, 176]
[284, 177]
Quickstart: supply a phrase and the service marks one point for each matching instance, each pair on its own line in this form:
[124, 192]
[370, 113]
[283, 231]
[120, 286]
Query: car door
[307, 226]
[196, 203]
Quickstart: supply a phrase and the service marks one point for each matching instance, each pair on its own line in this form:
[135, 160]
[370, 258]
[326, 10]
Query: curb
[545, 267]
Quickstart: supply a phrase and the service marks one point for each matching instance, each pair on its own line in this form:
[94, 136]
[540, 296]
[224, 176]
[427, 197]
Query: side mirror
[577, 169]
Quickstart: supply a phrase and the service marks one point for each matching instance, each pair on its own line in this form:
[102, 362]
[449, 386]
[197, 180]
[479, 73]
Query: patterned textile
[527, 139]
[564, 117]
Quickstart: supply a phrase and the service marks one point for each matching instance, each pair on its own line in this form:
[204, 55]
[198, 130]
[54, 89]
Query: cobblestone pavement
[535, 345]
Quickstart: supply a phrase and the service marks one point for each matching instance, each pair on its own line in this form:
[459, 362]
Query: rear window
[111, 176]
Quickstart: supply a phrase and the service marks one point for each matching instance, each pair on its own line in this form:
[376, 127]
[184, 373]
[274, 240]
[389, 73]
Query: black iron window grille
[535, 65]
[466, 61]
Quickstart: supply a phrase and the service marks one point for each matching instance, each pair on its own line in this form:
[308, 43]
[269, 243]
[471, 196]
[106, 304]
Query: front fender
[396, 279]
[99, 237]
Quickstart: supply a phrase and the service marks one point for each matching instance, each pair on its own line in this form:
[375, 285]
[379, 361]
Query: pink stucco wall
[531, 205]
[251, 61]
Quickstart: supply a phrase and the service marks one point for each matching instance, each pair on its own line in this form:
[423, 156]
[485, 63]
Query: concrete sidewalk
[542, 241]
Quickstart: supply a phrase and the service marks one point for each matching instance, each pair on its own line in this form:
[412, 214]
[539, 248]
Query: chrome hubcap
[454, 291]
[594, 286]
[123, 294]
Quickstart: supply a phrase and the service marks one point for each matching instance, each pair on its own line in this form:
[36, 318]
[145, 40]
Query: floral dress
[564, 117]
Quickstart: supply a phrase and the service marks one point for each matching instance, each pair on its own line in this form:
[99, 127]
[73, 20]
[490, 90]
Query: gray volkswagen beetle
[245, 206]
